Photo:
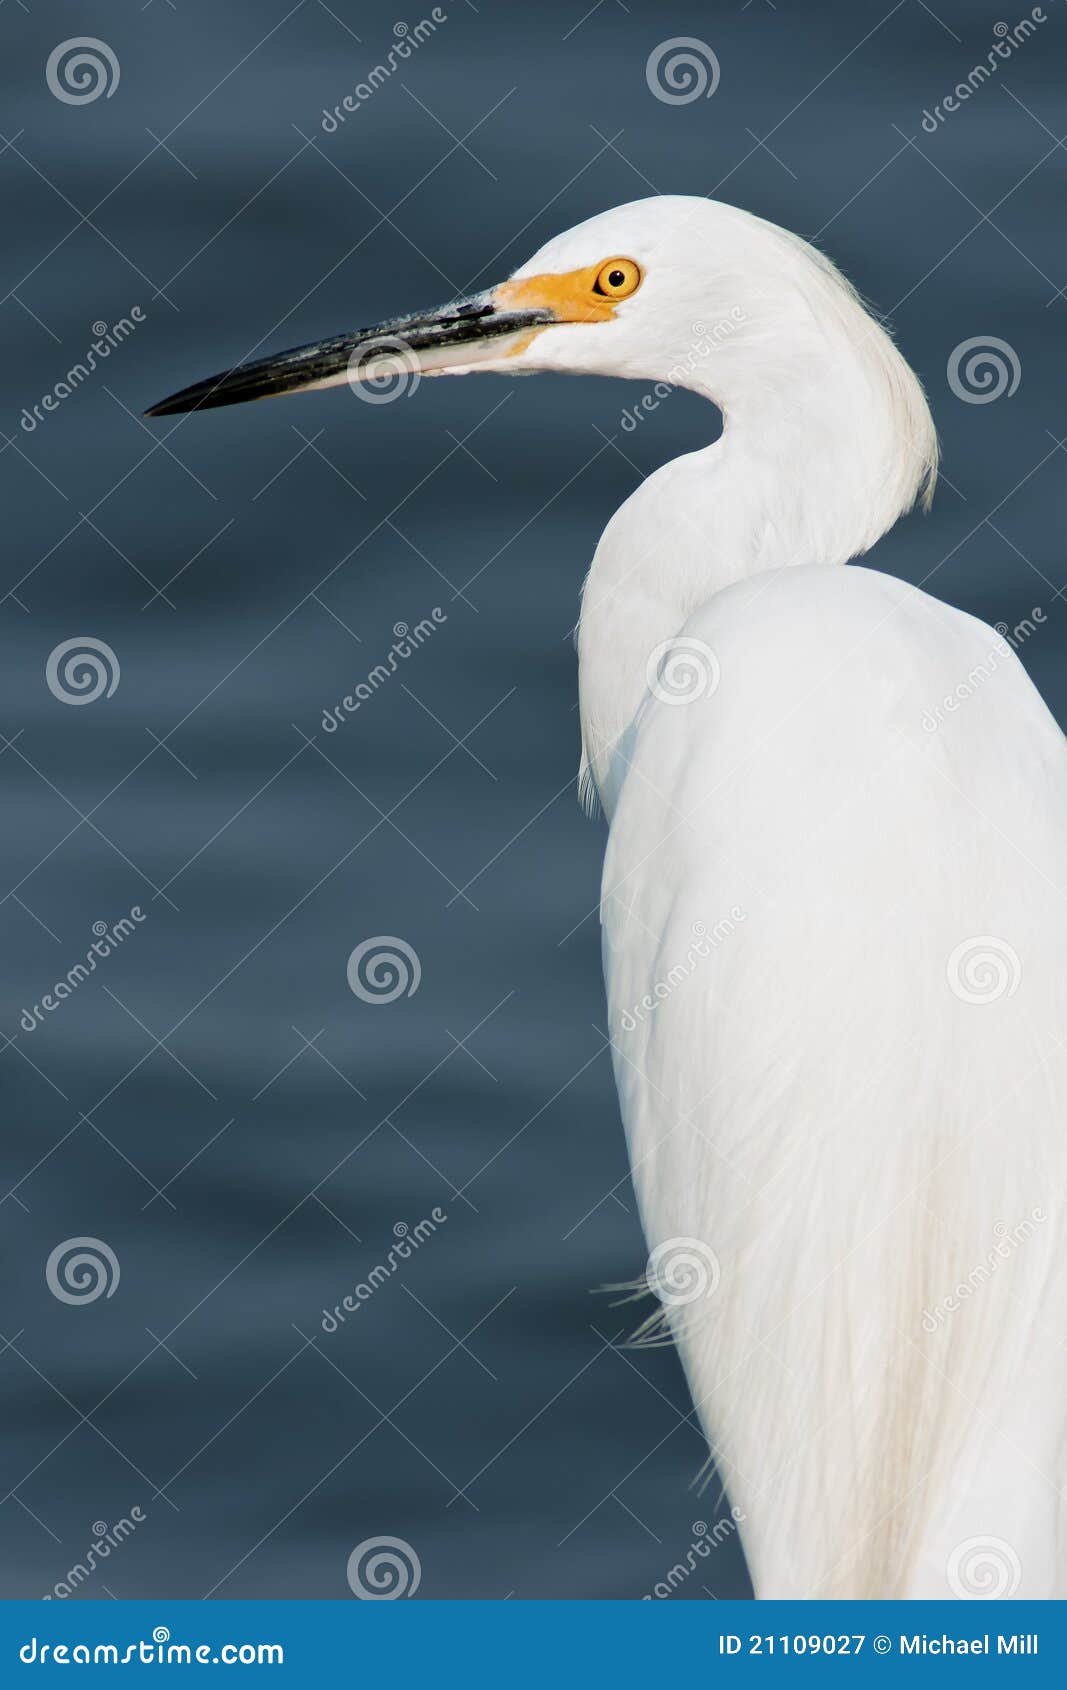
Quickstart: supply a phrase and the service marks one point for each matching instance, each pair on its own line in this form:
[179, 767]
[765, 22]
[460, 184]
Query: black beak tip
[325, 363]
[174, 404]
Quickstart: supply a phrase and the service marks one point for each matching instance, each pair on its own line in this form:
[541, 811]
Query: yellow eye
[618, 278]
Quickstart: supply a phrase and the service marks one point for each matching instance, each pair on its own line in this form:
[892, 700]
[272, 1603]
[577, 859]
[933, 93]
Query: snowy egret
[833, 927]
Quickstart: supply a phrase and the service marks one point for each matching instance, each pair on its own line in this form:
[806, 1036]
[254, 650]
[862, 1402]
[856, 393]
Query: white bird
[833, 924]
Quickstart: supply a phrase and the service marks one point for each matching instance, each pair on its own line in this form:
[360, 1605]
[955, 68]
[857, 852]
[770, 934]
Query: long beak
[452, 338]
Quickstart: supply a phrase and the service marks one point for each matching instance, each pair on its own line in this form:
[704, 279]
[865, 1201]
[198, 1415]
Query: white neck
[819, 456]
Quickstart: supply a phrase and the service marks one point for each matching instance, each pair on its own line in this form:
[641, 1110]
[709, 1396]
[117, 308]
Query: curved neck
[818, 458]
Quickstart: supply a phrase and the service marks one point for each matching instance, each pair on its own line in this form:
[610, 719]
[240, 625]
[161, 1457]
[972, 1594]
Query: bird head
[675, 289]
[662, 289]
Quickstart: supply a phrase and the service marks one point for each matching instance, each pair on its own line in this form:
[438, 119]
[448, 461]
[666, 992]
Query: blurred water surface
[214, 1103]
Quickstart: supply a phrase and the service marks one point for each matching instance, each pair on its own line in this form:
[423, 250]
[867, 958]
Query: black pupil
[616, 278]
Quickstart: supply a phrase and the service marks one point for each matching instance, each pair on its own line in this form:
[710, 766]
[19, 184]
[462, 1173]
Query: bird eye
[618, 278]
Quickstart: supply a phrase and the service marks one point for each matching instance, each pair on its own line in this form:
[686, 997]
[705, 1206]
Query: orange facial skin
[574, 296]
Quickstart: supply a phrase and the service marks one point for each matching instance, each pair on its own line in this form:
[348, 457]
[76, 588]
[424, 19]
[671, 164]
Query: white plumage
[832, 918]
[848, 1090]
[816, 1103]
